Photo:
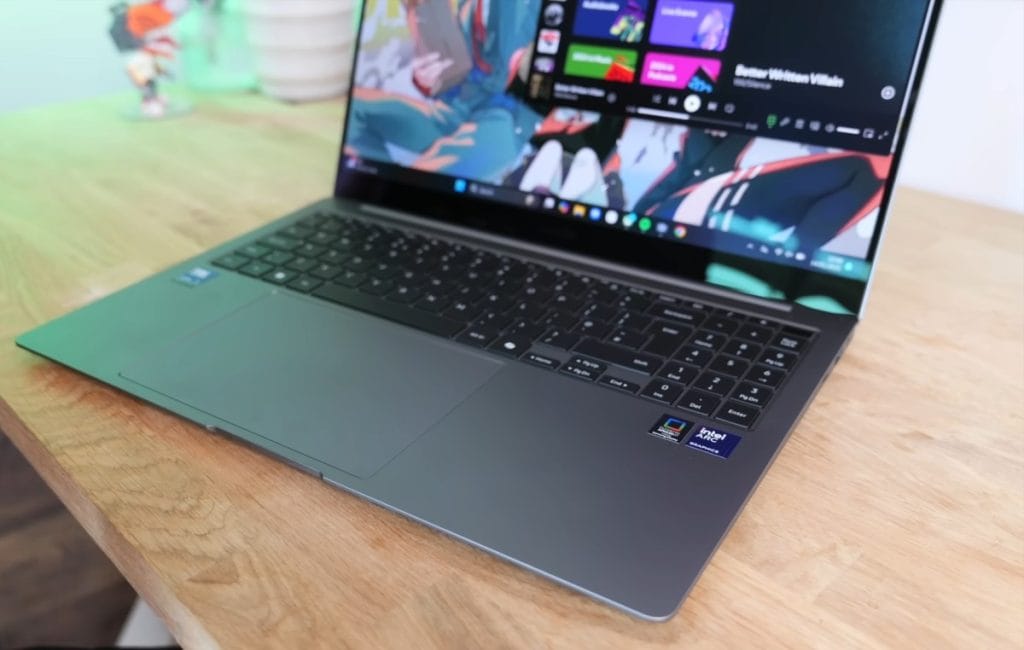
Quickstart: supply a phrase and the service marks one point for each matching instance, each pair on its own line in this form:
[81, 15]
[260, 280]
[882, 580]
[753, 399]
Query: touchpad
[338, 386]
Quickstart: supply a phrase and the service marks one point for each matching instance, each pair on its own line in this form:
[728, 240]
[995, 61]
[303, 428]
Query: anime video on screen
[696, 121]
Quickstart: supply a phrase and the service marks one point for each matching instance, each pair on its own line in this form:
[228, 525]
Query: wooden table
[894, 516]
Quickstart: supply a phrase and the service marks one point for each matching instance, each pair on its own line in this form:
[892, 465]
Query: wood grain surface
[894, 516]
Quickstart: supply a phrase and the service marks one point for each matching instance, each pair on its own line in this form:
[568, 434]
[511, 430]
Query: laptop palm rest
[336, 386]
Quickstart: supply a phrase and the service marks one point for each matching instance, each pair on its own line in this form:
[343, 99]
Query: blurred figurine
[142, 35]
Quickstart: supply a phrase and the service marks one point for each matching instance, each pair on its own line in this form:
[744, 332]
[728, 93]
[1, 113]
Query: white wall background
[967, 139]
[55, 51]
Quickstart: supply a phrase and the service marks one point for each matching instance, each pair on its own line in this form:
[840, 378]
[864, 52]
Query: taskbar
[701, 236]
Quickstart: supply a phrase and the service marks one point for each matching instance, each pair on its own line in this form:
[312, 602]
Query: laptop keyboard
[715, 362]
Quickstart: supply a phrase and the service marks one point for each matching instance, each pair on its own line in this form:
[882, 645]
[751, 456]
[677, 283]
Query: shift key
[619, 356]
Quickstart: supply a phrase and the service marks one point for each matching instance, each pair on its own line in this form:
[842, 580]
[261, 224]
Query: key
[358, 263]
[679, 373]
[722, 324]
[406, 295]
[729, 366]
[333, 256]
[662, 391]
[280, 276]
[310, 250]
[278, 258]
[699, 402]
[676, 313]
[231, 262]
[326, 271]
[256, 269]
[763, 322]
[631, 320]
[619, 384]
[254, 251]
[599, 312]
[350, 279]
[714, 383]
[591, 365]
[384, 270]
[526, 329]
[667, 328]
[567, 303]
[739, 414]
[789, 342]
[301, 264]
[779, 359]
[753, 394]
[322, 238]
[478, 336]
[579, 372]
[526, 309]
[462, 310]
[797, 332]
[559, 318]
[305, 284]
[634, 302]
[742, 349]
[432, 302]
[494, 319]
[597, 329]
[708, 340]
[638, 361]
[755, 333]
[560, 339]
[627, 338]
[770, 377]
[694, 356]
[377, 287]
[604, 294]
[541, 360]
[664, 345]
[296, 232]
[280, 242]
[510, 345]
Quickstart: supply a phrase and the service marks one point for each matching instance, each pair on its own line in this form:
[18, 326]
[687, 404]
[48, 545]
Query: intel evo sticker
[714, 442]
[197, 276]
[671, 428]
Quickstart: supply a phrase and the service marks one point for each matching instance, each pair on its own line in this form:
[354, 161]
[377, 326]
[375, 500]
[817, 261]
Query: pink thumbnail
[673, 71]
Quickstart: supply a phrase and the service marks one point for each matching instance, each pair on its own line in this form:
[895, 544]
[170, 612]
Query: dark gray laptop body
[616, 495]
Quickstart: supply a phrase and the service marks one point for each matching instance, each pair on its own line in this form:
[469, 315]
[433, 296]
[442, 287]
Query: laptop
[567, 306]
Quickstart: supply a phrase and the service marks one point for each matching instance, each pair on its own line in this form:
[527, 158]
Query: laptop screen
[764, 130]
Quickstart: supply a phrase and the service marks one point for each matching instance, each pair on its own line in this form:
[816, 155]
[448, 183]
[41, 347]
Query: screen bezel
[674, 258]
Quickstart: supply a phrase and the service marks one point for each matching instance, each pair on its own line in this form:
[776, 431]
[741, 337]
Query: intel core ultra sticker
[714, 442]
[196, 276]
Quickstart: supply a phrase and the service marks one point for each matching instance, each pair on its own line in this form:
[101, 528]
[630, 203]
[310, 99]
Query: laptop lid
[749, 144]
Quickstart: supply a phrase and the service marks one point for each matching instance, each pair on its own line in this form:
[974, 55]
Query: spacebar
[398, 313]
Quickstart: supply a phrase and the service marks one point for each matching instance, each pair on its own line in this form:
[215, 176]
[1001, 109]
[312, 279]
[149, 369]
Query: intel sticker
[714, 442]
[670, 428]
[197, 276]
